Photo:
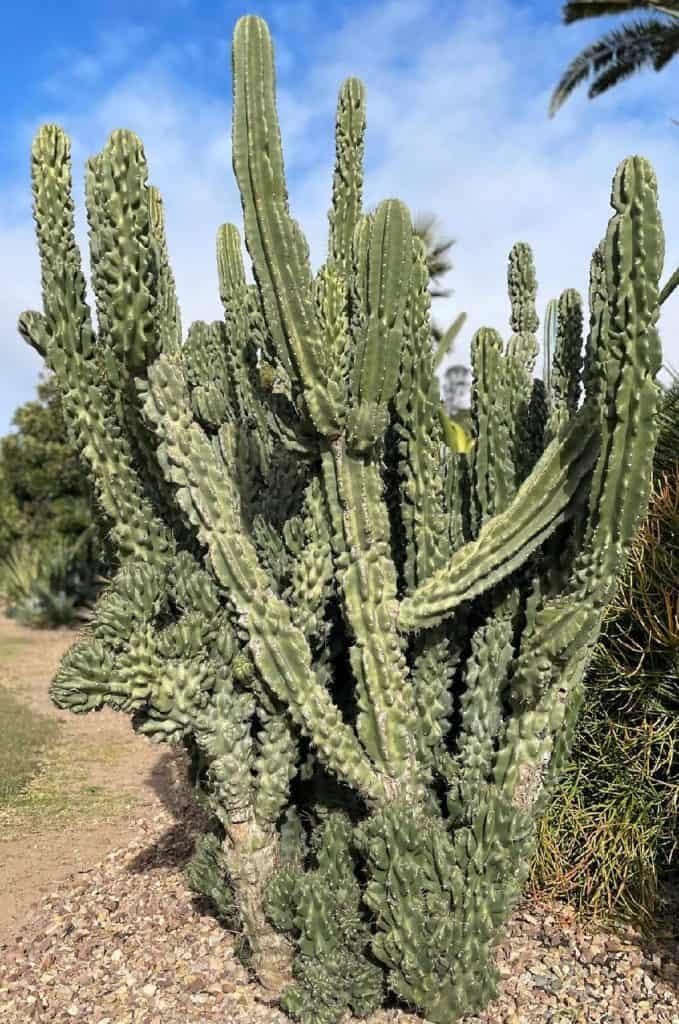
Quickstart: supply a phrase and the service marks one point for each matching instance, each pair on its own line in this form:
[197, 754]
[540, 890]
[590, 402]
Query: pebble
[546, 982]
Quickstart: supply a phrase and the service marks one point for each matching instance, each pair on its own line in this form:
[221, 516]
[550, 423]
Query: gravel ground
[125, 943]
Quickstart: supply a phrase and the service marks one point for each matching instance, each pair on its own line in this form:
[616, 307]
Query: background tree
[53, 541]
[11, 520]
[44, 487]
[621, 52]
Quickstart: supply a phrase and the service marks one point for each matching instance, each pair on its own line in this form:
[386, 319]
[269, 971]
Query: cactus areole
[371, 646]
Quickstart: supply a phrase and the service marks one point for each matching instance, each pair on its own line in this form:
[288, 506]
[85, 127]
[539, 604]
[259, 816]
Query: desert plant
[53, 545]
[19, 568]
[667, 450]
[609, 834]
[11, 518]
[372, 646]
[51, 582]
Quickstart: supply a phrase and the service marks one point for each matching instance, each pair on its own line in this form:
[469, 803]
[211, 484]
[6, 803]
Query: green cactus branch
[492, 464]
[548, 498]
[71, 353]
[368, 580]
[280, 651]
[347, 182]
[276, 245]
[568, 625]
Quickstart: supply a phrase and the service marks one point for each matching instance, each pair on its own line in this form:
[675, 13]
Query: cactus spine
[308, 572]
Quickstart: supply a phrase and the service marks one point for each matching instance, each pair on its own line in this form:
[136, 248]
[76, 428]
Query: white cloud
[113, 49]
[457, 127]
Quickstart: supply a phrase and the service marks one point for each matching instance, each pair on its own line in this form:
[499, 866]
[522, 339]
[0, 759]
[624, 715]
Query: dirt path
[112, 779]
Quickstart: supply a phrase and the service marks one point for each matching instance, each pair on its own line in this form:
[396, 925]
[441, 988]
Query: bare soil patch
[93, 782]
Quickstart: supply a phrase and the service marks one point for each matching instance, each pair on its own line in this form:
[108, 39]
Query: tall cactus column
[371, 646]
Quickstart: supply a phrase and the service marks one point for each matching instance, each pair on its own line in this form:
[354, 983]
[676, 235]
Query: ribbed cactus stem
[567, 626]
[169, 325]
[386, 720]
[549, 342]
[563, 395]
[279, 251]
[251, 857]
[347, 182]
[69, 341]
[548, 498]
[492, 463]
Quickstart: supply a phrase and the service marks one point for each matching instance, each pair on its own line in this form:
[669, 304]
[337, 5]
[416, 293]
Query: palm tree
[438, 262]
[622, 51]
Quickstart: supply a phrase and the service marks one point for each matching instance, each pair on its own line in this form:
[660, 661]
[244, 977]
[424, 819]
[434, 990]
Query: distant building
[456, 389]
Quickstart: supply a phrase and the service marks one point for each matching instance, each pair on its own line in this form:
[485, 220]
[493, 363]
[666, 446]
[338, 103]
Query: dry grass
[57, 791]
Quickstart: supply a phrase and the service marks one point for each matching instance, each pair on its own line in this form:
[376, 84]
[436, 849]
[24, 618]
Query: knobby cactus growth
[371, 646]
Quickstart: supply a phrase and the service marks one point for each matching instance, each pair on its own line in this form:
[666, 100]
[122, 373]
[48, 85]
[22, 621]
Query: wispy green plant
[19, 569]
[610, 833]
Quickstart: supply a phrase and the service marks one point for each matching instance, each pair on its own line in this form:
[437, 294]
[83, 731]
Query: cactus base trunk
[252, 855]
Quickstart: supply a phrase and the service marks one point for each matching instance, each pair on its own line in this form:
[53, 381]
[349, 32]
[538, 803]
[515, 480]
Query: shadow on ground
[174, 848]
[666, 944]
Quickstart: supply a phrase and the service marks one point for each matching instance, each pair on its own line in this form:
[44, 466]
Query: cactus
[370, 644]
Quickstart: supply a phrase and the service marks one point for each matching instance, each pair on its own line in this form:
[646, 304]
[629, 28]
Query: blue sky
[457, 127]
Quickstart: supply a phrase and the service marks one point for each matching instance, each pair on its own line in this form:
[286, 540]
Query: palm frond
[667, 50]
[444, 341]
[574, 11]
[617, 55]
[671, 283]
[438, 262]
